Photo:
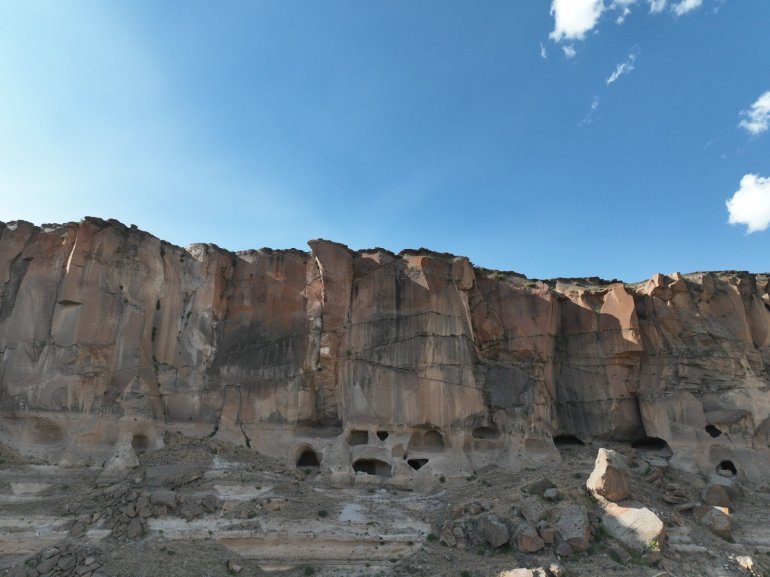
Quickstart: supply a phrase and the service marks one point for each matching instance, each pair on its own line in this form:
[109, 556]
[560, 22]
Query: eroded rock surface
[610, 477]
[368, 365]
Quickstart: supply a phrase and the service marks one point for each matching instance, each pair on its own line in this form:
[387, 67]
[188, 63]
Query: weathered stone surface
[132, 336]
[135, 529]
[526, 538]
[610, 477]
[493, 530]
[715, 519]
[716, 495]
[634, 525]
[163, 497]
[540, 486]
[551, 494]
[563, 549]
[573, 527]
[546, 532]
[533, 510]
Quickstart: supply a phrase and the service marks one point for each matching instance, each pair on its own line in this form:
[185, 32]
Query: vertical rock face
[367, 361]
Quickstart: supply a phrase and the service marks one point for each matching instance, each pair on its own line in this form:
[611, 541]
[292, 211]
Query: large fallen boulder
[634, 525]
[610, 477]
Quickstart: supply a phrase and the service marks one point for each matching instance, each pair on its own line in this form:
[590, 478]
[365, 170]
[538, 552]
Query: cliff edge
[400, 366]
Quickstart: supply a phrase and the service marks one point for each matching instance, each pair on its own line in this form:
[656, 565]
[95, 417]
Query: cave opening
[417, 464]
[651, 444]
[140, 443]
[713, 431]
[358, 437]
[726, 468]
[430, 441]
[567, 441]
[382, 435]
[308, 458]
[485, 433]
[372, 467]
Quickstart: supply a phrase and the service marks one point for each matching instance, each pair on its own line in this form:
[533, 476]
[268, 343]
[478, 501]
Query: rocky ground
[204, 507]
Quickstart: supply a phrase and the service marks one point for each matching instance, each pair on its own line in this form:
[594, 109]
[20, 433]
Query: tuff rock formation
[403, 367]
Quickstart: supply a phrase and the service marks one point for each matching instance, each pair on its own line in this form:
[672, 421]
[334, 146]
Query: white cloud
[757, 119]
[569, 51]
[657, 6]
[543, 53]
[591, 116]
[624, 67]
[750, 205]
[573, 18]
[624, 6]
[686, 6]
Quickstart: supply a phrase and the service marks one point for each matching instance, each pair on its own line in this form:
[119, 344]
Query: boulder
[610, 477]
[716, 495]
[526, 538]
[715, 519]
[563, 549]
[533, 510]
[164, 497]
[539, 487]
[551, 494]
[546, 532]
[573, 527]
[634, 525]
[135, 529]
[493, 530]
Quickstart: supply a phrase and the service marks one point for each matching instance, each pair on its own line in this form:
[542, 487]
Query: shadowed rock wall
[109, 335]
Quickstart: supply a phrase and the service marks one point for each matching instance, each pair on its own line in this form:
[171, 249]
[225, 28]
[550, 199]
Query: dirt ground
[201, 507]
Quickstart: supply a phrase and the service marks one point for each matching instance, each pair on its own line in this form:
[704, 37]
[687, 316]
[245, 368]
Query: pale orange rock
[110, 336]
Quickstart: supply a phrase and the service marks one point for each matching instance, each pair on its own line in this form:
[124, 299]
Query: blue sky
[489, 129]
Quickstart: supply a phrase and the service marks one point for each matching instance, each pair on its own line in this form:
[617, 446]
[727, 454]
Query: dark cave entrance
[308, 458]
[372, 467]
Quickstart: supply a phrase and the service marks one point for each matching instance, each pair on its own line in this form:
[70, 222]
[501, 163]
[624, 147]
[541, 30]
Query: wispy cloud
[710, 142]
[757, 119]
[624, 7]
[625, 67]
[569, 50]
[750, 205]
[657, 6]
[543, 53]
[592, 113]
[573, 18]
[686, 6]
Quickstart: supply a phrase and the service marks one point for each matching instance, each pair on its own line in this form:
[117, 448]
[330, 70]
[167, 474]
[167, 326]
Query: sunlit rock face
[399, 366]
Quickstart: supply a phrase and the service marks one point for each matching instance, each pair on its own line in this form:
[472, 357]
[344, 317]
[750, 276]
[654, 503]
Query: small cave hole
[308, 458]
[382, 435]
[140, 443]
[417, 464]
[372, 467]
[651, 444]
[727, 469]
[713, 431]
[358, 437]
[429, 441]
[567, 441]
[486, 433]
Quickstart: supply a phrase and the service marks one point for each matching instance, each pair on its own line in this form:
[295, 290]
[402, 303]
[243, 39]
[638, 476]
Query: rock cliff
[401, 366]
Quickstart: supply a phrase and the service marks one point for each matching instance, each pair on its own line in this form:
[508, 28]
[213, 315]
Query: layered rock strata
[402, 367]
